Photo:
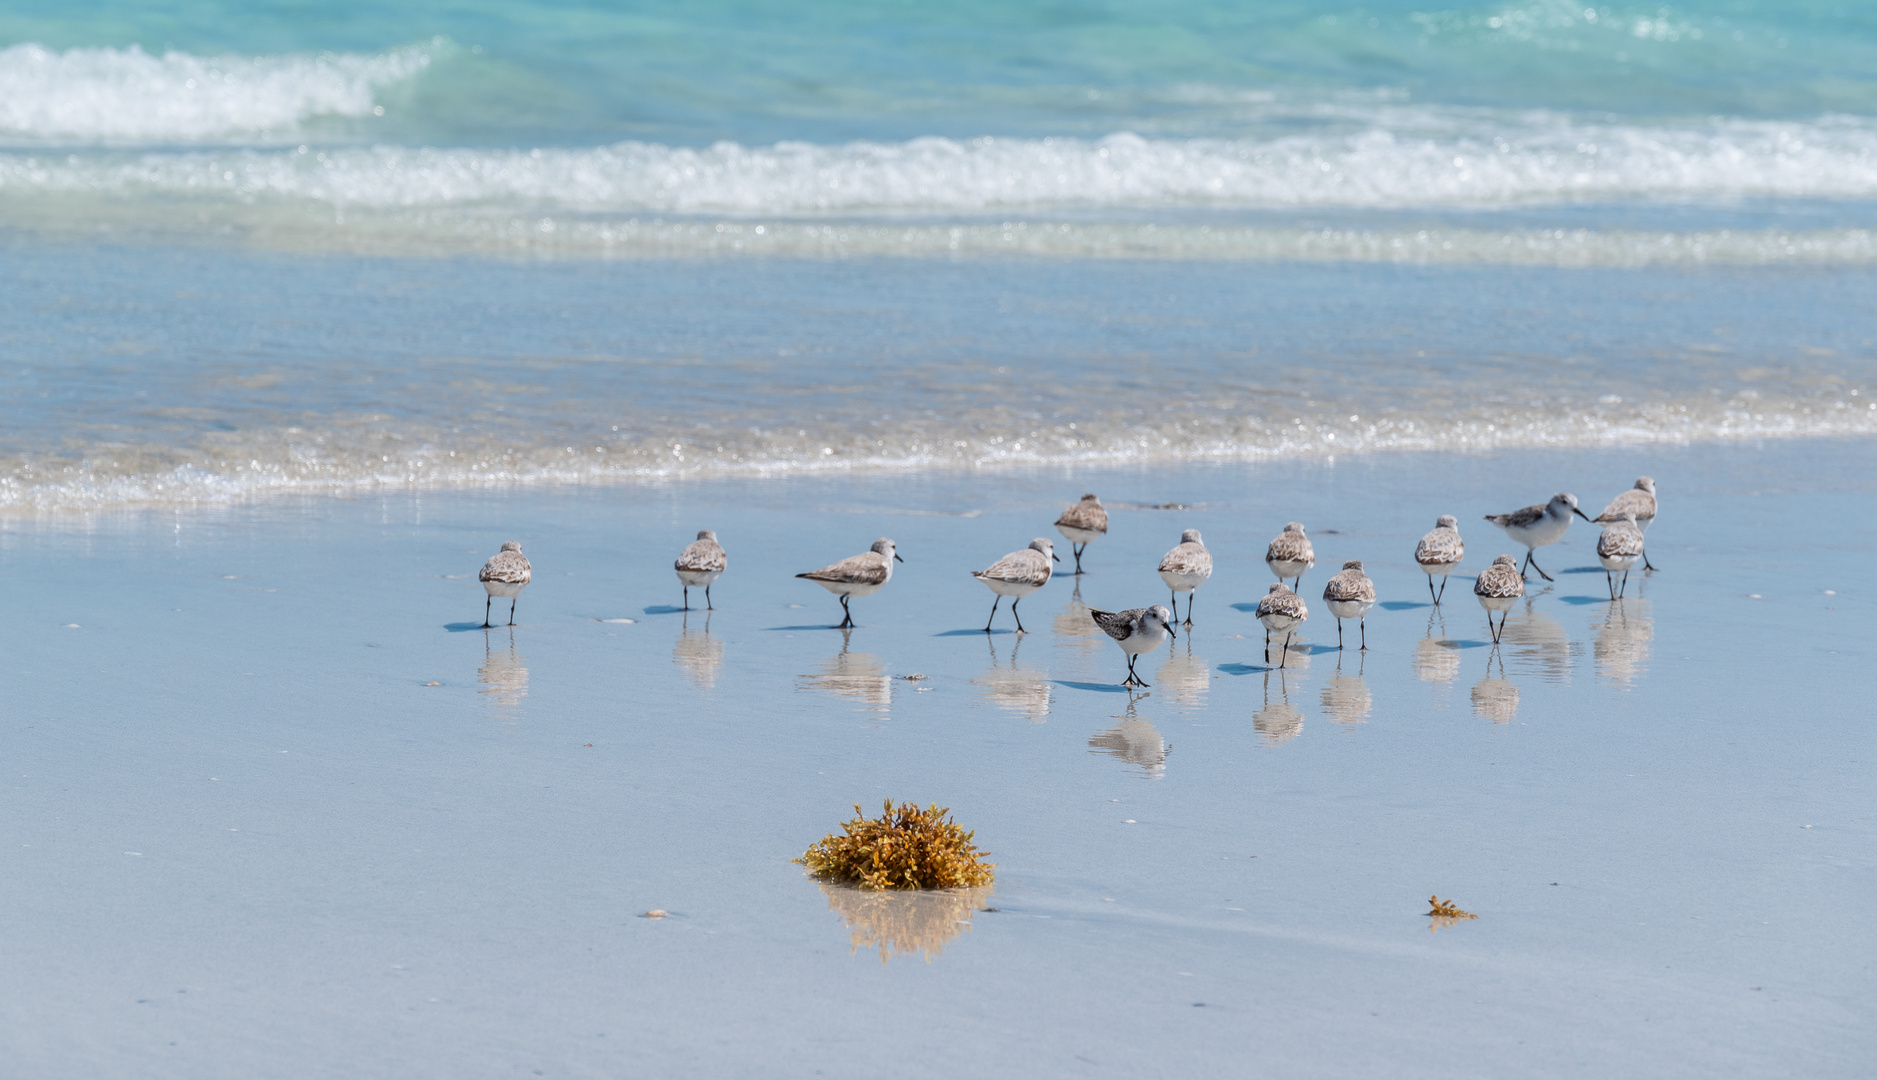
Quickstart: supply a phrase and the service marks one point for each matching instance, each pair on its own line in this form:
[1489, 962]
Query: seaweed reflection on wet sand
[900, 922]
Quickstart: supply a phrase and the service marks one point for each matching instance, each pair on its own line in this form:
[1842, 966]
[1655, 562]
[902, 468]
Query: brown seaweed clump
[904, 848]
[1447, 909]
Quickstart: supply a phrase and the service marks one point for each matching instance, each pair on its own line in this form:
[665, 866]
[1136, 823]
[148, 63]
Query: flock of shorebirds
[1349, 594]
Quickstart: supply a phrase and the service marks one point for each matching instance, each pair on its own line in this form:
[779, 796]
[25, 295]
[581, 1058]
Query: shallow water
[246, 827]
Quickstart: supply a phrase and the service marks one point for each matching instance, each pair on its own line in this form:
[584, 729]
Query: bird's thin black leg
[511, 610]
[1535, 566]
[1019, 618]
[1286, 661]
[1339, 635]
[994, 602]
[1443, 590]
[687, 598]
[1363, 625]
[486, 601]
[1267, 645]
[708, 606]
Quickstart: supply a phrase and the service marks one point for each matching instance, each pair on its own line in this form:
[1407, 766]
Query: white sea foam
[128, 95]
[1535, 160]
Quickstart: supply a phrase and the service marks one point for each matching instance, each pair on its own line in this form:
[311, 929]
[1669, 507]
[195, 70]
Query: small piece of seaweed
[1446, 909]
[904, 848]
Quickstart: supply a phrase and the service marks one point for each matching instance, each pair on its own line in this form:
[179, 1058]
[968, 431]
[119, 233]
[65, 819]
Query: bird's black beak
[1055, 556]
[1171, 636]
[1580, 513]
[896, 557]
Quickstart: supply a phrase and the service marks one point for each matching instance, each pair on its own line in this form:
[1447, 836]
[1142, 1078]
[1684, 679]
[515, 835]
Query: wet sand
[245, 830]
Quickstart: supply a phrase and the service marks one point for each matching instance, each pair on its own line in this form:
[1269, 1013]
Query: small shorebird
[1639, 501]
[1537, 526]
[1439, 552]
[1497, 588]
[1137, 631]
[1280, 611]
[1082, 523]
[858, 575]
[1350, 595]
[702, 563]
[505, 575]
[1290, 554]
[1618, 549]
[1185, 569]
[1017, 575]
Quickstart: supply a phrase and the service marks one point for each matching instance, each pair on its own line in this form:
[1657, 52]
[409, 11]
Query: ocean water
[259, 246]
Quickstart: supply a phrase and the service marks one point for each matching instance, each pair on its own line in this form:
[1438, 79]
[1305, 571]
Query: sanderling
[1137, 630]
[1439, 552]
[1350, 595]
[1536, 526]
[858, 575]
[1082, 523]
[1017, 575]
[505, 575]
[1290, 554]
[702, 563]
[1185, 569]
[1497, 587]
[1640, 501]
[1280, 611]
[1618, 549]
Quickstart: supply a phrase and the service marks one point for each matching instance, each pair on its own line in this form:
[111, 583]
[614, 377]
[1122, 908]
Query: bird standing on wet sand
[1185, 569]
[1439, 552]
[1537, 526]
[1082, 523]
[505, 575]
[1290, 554]
[858, 575]
[1017, 575]
[701, 563]
[1639, 501]
[1618, 549]
[1137, 631]
[1350, 595]
[1497, 587]
[1280, 611]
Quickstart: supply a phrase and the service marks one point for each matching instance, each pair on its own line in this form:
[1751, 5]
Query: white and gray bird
[1350, 595]
[1538, 526]
[1618, 549]
[701, 563]
[1439, 552]
[1290, 554]
[505, 575]
[1137, 631]
[1640, 501]
[1081, 523]
[1017, 575]
[857, 575]
[1281, 611]
[1497, 587]
[1185, 569]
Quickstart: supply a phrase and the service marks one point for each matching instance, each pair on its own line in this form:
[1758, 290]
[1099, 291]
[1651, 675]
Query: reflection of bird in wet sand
[1540, 645]
[1621, 648]
[503, 676]
[1279, 721]
[1433, 661]
[1281, 611]
[1074, 627]
[904, 920]
[700, 564]
[1439, 552]
[1538, 526]
[1350, 595]
[1083, 523]
[1137, 631]
[1640, 501]
[1186, 675]
[856, 676]
[1185, 569]
[1498, 587]
[1346, 698]
[1135, 742]
[1017, 575]
[1496, 699]
[699, 654]
[1015, 688]
[1617, 550]
[857, 575]
[1290, 554]
[505, 575]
